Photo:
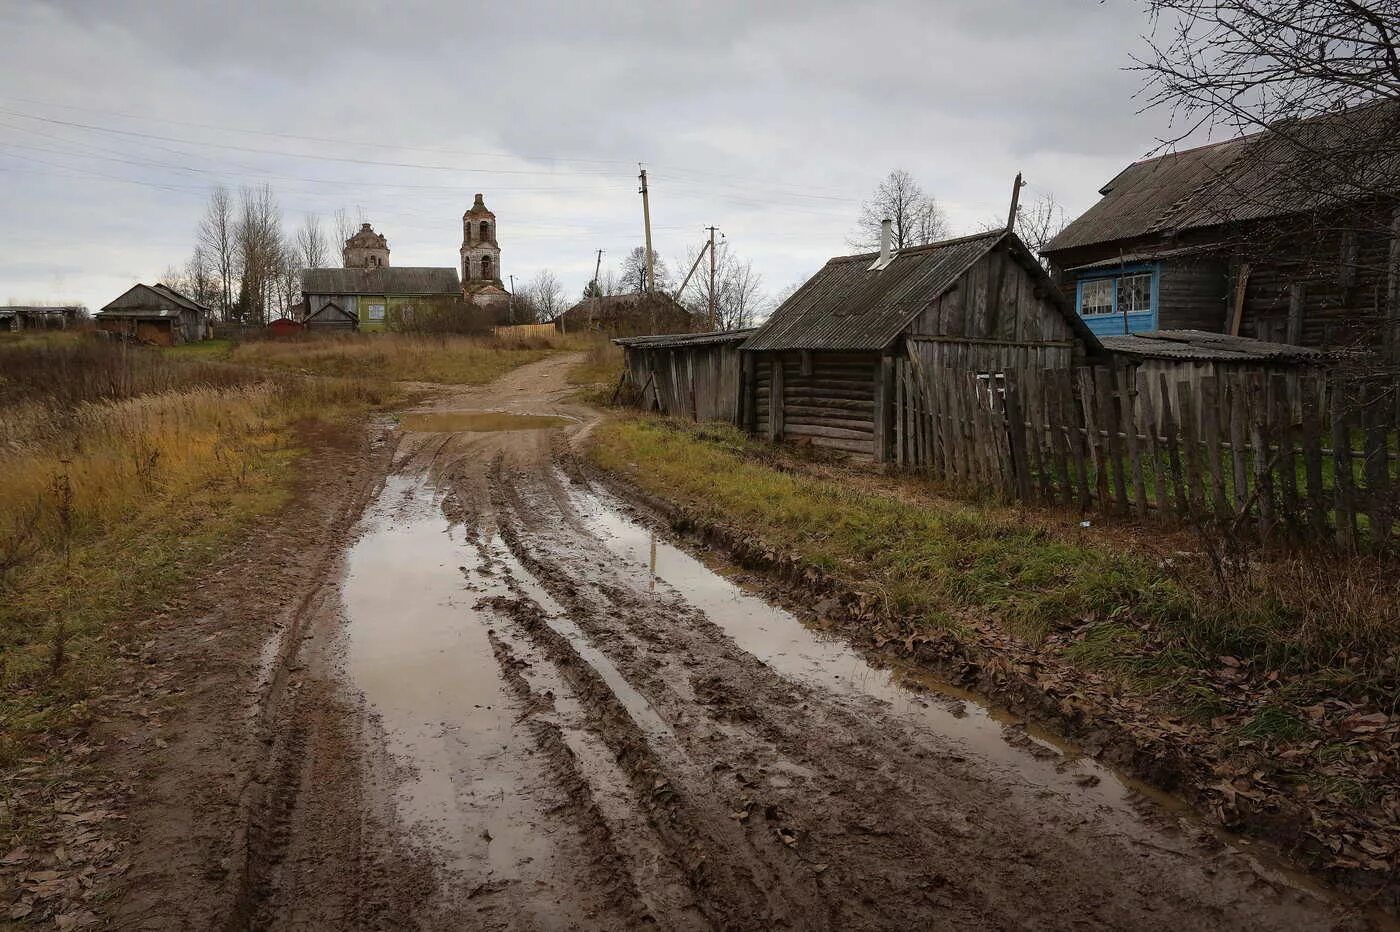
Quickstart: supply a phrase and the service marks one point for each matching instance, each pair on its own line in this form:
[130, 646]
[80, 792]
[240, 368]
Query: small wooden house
[629, 315]
[694, 375]
[1290, 235]
[155, 314]
[285, 327]
[823, 369]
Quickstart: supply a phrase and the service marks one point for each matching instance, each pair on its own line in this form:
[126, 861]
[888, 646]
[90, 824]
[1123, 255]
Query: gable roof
[847, 306]
[151, 301]
[386, 281]
[1291, 168]
[674, 340]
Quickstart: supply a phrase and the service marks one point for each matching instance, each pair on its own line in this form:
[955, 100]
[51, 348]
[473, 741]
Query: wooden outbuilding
[285, 327]
[630, 314]
[155, 314]
[835, 362]
[694, 375]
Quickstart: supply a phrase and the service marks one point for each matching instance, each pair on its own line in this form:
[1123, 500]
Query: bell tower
[481, 256]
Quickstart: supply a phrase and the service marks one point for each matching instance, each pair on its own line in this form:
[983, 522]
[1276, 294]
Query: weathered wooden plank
[1039, 444]
[1262, 455]
[1149, 416]
[1310, 438]
[1239, 433]
[1072, 416]
[1169, 440]
[1376, 468]
[1210, 437]
[1190, 448]
[1094, 442]
[1284, 432]
[1343, 484]
[822, 430]
[1127, 419]
[1113, 441]
[1020, 455]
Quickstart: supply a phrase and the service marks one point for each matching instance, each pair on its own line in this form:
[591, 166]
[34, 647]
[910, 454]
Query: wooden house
[155, 314]
[830, 364]
[1281, 236]
[694, 375]
[629, 315]
[376, 298]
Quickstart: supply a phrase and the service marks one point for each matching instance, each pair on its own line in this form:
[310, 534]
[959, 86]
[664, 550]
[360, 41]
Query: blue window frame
[1120, 300]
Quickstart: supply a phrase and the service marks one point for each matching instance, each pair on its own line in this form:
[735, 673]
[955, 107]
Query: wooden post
[1239, 432]
[1237, 310]
[1296, 294]
[1282, 410]
[884, 405]
[749, 392]
[1343, 482]
[1377, 466]
[1210, 431]
[1020, 466]
[1126, 386]
[1312, 393]
[1173, 450]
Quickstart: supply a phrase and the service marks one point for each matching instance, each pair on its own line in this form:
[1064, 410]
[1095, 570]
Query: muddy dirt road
[499, 717]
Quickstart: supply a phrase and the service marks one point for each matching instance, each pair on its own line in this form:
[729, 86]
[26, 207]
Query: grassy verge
[448, 359]
[598, 373]
[126, 470]
[1282, 673]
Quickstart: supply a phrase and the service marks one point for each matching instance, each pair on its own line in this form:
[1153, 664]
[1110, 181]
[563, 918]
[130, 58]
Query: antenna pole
[1016, 187]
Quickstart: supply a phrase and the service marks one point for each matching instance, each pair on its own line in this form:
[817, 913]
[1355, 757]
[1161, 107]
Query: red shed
[285, 327]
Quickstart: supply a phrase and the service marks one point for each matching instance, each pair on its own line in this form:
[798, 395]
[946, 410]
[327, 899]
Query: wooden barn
[834, 362]
[694, 375]
[155, 314]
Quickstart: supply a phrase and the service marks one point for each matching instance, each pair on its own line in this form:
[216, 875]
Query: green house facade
[374, 299]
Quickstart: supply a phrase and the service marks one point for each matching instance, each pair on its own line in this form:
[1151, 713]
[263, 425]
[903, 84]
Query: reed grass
[125, 470]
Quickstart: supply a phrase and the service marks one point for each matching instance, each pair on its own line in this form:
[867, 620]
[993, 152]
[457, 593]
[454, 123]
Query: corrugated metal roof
[1205, 346]
[667, 340]
[390, 281]
[150, 301]
[1289, 169]
[845, 306]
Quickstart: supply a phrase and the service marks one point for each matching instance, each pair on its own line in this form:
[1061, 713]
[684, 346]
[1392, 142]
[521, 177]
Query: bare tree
[546, 295]
[738, 290]
[634, 271]
[344, 226]
[1037, 222]
[215, 237]
[917, 218]
[201, 278]
[261, 253]
[311, 246]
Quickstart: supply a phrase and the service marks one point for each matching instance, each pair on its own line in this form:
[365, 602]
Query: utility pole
[646, 221]
[597, 290]
[512, 298]
[1016, 187]
[714, 324]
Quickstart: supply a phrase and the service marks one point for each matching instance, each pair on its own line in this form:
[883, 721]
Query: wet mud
[568, 722]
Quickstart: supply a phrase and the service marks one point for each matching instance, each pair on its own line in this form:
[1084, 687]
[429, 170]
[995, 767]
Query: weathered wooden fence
[1294, 456]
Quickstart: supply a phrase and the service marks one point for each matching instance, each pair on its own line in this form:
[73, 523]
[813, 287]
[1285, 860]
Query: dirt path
[519, 709]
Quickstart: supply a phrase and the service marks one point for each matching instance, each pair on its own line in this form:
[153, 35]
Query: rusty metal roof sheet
[399, 280]
[1204, 346]
[846, 306]
[671, 340]
[1291, 168]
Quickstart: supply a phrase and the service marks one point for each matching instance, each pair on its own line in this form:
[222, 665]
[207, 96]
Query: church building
[366, 250]
[481, 259]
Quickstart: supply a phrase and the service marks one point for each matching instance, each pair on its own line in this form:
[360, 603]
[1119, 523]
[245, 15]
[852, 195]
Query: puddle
[784, 643]
[449, 422]
[418, 649]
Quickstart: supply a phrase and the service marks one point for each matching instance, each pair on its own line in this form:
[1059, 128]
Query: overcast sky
[770, 120]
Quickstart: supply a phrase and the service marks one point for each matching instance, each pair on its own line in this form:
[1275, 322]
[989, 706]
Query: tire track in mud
[903, 827]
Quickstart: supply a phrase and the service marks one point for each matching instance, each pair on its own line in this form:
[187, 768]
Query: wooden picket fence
[1296, 456]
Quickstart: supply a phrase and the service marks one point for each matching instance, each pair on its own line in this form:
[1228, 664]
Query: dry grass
[447, 358]
[125, 470]
[599, 371]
